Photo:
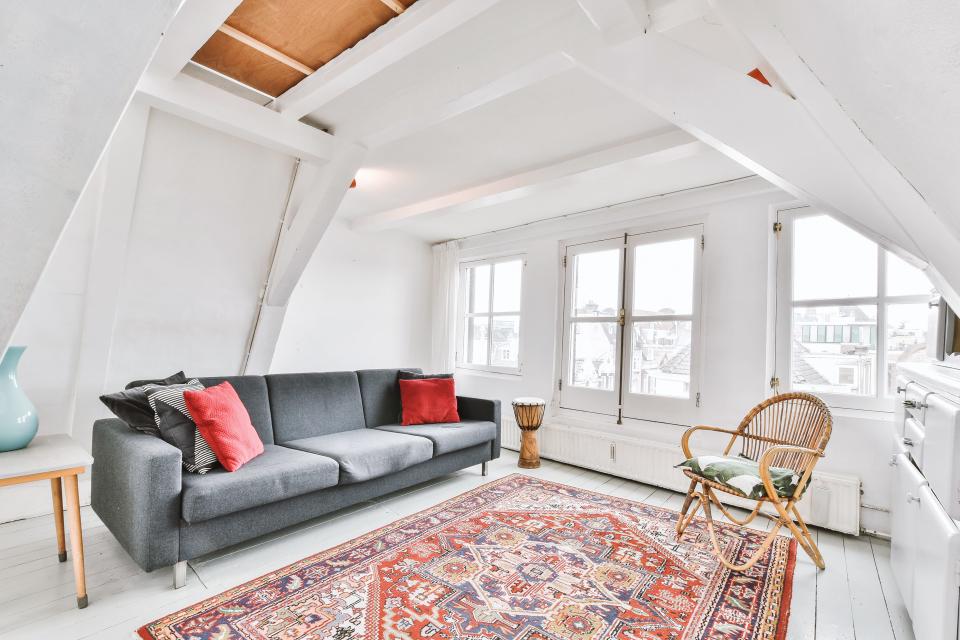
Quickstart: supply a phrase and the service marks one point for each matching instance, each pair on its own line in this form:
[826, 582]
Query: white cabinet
[925, 500]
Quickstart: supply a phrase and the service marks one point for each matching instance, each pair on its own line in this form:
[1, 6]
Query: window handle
[912, 498]
[913, 404]
[908, 442]
[623, 317]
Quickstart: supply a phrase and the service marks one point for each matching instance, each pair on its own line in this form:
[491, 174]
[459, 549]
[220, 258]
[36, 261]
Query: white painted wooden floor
[854, 598]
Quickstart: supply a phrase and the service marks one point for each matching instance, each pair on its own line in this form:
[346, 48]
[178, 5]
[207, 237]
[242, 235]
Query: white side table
[52, 458]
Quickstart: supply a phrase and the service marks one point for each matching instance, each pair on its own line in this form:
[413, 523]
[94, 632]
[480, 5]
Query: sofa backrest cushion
[381, 395]
[253, 394]
[304, 405]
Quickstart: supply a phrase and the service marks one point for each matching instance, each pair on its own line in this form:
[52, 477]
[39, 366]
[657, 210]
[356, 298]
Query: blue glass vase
[18, 416]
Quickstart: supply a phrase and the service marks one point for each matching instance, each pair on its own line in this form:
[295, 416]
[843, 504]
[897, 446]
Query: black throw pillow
[131, 405]
[177, 427]
[403, 374]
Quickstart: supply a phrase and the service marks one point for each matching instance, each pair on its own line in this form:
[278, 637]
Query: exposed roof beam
[205, 104]
[657, 149]
[420, 25]
[759, 127]
[394, 6]
[189, 30]
[898, 197]
[432, 115]
[310, 221]
[265, 49]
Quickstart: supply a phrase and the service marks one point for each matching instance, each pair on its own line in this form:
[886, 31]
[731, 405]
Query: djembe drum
[529, 415]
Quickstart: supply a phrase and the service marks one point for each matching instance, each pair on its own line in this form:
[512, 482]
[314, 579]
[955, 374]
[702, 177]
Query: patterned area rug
[519, 557]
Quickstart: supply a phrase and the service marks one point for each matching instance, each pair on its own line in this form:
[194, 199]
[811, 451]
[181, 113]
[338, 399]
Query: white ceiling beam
[658, 149]
[677, 13]
[764, 130]
[899, 198]
[421, 24]
[303, 231]
[189, 30]
[431, 115]
[617, 19]
[205, 104]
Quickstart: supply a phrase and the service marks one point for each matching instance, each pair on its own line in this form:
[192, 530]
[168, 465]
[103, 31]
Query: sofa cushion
[364, 454]
[224, 423]
[276, 474]
[253, 394]
[381, 395]
[305, 405]
[451, 436]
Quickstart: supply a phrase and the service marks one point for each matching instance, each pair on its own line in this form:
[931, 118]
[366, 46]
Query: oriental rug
[517, 558]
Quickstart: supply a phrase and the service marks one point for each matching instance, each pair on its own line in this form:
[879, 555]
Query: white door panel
[904, 512]
[935, 585]
[941, 455]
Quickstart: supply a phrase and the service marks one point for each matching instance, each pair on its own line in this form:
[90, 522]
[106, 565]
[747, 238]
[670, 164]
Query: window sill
[489, 373]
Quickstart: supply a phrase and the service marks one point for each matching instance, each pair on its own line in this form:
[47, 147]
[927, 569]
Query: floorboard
[854, 598]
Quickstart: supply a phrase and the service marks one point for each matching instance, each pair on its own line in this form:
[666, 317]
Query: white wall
[363, 302]
[68, 72]
[736, 367]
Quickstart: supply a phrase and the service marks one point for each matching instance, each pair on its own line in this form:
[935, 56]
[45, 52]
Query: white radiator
[832, 501]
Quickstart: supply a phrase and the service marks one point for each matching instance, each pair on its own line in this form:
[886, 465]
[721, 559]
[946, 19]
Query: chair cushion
[742, 474]
[364, 454]
[450, 436]
[304, 405]
[276, 474]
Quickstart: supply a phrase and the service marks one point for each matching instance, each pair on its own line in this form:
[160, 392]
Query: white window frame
[619, 402]
[881, 400]
[463, 299]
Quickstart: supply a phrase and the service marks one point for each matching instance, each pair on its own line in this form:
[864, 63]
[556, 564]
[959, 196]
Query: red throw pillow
[428, 401]
[224, 423]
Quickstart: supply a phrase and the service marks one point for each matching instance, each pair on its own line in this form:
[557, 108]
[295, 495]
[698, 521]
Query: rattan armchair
[789, 431]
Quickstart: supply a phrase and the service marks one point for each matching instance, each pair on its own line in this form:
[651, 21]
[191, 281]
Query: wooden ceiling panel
[251, 67]
[312, 32]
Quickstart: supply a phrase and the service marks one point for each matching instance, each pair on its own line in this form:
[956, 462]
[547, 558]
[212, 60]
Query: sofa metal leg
[180, 574]
[483, 468]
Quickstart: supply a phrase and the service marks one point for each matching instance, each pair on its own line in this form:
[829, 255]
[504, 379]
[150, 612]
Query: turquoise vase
[18, 416]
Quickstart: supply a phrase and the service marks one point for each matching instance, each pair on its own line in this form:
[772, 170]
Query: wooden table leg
[56, 488]
[76, 538]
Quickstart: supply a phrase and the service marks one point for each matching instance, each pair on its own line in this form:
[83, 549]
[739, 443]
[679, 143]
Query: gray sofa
[330, 440]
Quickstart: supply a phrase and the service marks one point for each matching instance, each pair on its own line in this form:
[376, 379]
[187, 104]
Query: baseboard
[21, 501]
[831, 502]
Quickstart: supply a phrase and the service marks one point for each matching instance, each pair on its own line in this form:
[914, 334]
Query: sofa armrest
[136, 482]
[481, 409]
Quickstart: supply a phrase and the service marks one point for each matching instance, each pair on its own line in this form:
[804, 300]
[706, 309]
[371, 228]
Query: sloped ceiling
[894, 67]
[67, 72]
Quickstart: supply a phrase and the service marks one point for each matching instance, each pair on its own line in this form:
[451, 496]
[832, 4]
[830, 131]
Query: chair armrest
[481, 409]
[136, 482]
[685, 440]
[767, 458]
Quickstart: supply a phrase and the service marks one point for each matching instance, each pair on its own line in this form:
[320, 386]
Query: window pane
[596, 284]
[831, 260]
[506, 341]
[594, 347]
[480, 288]
[845, 367]
[906, 338]
[660, 358]
[905, 279]
[663, 278]
[476, 338]
[506, 285]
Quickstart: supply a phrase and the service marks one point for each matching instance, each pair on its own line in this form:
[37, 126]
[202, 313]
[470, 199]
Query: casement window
[847, 312]
[489, 318]
[631, 325]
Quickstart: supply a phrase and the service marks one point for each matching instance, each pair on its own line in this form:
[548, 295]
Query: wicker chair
[790, 431]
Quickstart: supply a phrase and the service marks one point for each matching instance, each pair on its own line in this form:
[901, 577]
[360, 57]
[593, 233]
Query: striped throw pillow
[177, 426]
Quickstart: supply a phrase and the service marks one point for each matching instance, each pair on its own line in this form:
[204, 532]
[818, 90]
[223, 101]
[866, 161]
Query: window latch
[623, 317]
